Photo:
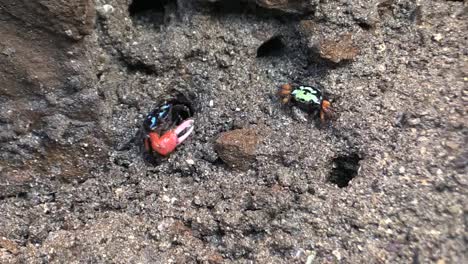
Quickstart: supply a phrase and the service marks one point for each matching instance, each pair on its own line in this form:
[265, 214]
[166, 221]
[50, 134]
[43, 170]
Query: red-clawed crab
[166, 127]
[167, 143]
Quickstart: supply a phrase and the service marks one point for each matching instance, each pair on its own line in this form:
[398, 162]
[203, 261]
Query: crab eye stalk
[150, 122]
[154, 122]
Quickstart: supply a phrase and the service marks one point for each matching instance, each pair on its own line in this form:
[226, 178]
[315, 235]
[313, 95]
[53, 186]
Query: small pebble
[311, 257]
[401, 170]
[437, 37]
[118, 191]
[381, 68]
[414, 121]
[337, 254]
[452, 145]
[190, 162]
[455, 210]
[197, 200]
[107, 9]
[381, 48]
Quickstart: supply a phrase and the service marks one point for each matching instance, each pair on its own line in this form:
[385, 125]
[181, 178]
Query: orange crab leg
[285, 89]
[325, 109]
[285, 93]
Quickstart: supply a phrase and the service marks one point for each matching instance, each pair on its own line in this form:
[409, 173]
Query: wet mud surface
[383, 182]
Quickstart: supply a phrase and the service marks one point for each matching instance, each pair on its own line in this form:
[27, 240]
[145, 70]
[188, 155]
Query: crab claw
[168, 142]
[165, 144]
[184, 130]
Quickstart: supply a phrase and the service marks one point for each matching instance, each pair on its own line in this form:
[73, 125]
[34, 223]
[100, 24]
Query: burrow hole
[232, 7]
[345, 168]
[272, 47]
[151, 11]
[183, 107]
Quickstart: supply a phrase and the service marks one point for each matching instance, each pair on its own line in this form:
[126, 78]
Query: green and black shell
[306, 97]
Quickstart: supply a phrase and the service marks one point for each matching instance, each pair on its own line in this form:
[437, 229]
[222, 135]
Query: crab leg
[326, 110]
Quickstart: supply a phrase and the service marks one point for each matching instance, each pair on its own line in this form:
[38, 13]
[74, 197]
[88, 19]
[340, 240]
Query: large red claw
[165, 144]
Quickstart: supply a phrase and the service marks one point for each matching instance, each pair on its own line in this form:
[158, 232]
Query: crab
[308, 98]
[167, 127]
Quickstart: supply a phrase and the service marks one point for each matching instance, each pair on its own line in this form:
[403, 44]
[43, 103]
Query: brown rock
[338, 50]
[237, 147]
[287, 6]
[9, 245]
[284, 6]
[215, 258]
[47, 85]
[72, 19]
[35, 39]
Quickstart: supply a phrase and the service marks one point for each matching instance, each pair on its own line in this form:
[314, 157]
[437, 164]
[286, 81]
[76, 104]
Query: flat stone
[287, 6]
[337, 50]
[237, 147]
